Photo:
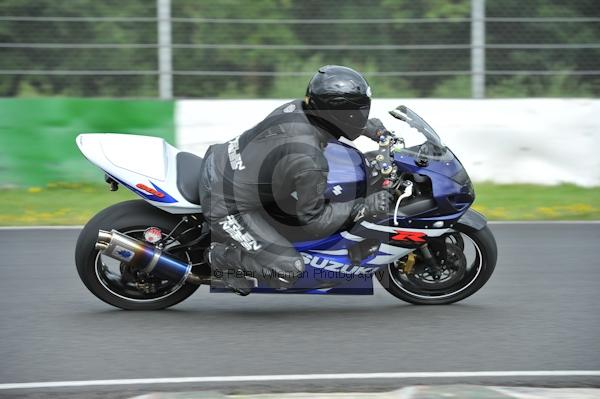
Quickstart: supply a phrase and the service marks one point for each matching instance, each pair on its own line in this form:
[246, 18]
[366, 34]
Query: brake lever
[408, 191]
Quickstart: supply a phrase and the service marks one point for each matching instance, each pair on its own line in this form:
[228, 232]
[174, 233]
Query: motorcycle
[150, 254]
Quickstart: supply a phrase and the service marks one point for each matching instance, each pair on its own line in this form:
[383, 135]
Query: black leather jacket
[278, 166]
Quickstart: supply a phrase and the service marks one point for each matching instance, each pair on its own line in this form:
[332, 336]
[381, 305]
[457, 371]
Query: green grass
[57, 203]
[533, 202]
[75, 204]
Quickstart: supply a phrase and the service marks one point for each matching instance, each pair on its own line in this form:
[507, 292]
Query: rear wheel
[465, 261]
[117, 283]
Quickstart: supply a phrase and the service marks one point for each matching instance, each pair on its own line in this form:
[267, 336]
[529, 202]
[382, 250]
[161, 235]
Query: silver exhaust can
[142, 256]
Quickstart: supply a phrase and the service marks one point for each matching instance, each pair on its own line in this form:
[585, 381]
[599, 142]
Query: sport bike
[430, 249]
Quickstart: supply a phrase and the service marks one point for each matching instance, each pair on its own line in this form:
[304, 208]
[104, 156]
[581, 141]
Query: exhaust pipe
[144, 257]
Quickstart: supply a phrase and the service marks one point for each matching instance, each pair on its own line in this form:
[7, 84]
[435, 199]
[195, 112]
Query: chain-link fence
[264, 48]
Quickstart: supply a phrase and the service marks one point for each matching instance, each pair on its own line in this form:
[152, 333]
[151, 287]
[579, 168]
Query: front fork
[435, 266]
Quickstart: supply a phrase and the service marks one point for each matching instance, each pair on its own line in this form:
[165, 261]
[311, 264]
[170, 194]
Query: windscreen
[420, 139]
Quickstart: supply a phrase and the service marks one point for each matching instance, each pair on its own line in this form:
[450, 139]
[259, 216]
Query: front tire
[476, 273]
[129, 217]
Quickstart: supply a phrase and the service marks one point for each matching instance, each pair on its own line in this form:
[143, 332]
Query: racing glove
[374, 129]
[374, 205]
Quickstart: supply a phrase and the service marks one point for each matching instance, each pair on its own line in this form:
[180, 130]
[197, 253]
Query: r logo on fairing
[413, 236]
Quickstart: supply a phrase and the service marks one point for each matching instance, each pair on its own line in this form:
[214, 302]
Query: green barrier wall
[37, 136]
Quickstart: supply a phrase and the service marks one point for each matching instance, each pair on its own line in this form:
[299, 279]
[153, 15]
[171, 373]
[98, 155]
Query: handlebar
[383, 164]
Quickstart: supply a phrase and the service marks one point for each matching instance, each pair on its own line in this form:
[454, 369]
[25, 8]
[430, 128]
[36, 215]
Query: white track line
[490, 222]
[298, 377]
[544, 222]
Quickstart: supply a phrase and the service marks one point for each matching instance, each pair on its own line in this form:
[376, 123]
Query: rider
[267, 185]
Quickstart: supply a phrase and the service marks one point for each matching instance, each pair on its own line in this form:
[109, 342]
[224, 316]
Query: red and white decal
[152, 235]
[397, 230]
[150, 190]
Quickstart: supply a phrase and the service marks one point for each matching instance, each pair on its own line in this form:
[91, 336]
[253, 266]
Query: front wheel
[466, 260]
[116, 283]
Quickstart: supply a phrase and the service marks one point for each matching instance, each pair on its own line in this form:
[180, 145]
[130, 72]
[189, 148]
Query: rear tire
[487, 251]
[125, 216]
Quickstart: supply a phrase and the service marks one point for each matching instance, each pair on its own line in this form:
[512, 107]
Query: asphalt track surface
[539, 311]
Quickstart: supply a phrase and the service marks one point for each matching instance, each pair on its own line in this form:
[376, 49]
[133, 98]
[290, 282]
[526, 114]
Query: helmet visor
[350, 122]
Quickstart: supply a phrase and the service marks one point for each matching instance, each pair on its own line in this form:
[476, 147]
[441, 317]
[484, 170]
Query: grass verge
[533, 202]
[75, 204]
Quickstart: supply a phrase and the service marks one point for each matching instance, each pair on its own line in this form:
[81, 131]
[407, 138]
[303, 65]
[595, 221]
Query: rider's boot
[233, 276]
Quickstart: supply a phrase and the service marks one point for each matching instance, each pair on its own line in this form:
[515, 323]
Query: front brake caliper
[408, 265]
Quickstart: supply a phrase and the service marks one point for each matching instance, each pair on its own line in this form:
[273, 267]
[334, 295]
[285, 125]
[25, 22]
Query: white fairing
[146, 165]
[391, 253]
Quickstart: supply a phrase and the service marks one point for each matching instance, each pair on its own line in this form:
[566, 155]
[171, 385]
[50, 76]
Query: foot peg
[240, 285]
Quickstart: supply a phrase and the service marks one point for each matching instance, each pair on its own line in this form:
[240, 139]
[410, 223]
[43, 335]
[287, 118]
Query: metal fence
[235, 48]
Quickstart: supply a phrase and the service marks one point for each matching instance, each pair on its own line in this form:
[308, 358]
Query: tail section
[145, 165]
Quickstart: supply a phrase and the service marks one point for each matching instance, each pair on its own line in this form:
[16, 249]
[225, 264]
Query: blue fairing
[451, 187]
[347, 176]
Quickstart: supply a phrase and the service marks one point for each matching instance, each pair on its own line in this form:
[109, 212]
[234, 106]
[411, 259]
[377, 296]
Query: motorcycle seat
[188, 176]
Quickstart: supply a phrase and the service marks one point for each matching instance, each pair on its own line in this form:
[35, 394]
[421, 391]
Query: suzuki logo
[333, 266]
[337, 190]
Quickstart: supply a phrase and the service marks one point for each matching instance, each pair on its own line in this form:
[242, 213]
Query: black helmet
[340, 100]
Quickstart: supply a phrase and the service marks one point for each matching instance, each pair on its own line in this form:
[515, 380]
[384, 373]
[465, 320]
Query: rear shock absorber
[145, 257]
